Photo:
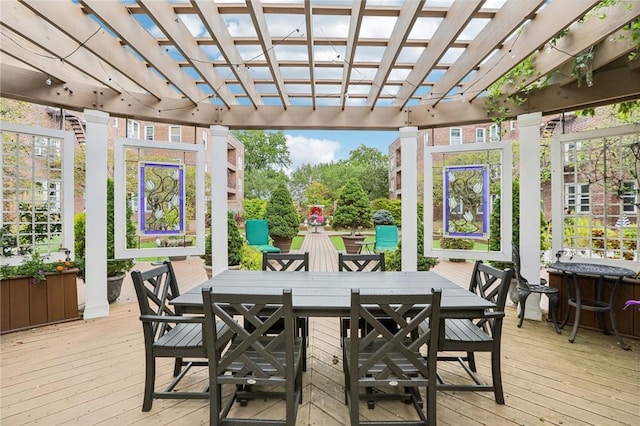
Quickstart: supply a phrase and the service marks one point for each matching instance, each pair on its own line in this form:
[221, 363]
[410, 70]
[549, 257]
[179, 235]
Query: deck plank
[92, 372]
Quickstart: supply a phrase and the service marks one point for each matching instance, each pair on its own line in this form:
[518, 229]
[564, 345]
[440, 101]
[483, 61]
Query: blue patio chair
[257, 234]
[386, 238]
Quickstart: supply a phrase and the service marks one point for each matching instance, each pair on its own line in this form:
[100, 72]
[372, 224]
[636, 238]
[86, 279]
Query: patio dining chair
[477, 334]
[392, 361]
[255, 363]
[257, 235]
[386, 238]
[167, 334]
[290, 262]
[525, 288]
[358, 263]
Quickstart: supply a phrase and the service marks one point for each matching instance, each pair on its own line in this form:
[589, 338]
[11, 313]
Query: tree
[353, 208]
[281, 214]
[260, 183]
[371, 169]
[263, 150]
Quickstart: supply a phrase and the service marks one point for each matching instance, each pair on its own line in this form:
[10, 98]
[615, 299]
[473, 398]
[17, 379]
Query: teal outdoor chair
[257, 234]
[386, 238]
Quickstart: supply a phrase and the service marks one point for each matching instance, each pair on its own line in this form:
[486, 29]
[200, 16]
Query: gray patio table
[327, 294]
[576, 269]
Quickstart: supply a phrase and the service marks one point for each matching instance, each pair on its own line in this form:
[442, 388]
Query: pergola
[318, 64]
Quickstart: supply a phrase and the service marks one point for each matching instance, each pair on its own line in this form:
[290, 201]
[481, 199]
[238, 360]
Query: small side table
[365, 245]
[598, 305]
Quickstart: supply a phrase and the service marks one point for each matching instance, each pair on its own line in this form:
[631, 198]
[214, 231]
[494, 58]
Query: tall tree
[264, 150]
[371, 169]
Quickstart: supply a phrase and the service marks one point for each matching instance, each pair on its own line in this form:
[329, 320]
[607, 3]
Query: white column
[529, 127]
[219, 234]
[409, 182]
[96, 215]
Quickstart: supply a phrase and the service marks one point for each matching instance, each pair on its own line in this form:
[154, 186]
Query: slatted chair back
[491, 284]
[386, 238]
[385, 358]
[361, 262]
[253, 358]
[285, 261]
[167, 334]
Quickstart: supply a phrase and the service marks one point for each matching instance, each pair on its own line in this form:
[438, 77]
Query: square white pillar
[409, 181]
[219, 234]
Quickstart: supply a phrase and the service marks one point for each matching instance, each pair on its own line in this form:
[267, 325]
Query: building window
[512, 125]
[392, 184]
[133, 129]
[455, 136]
[175, 134]
[494, 133]
[205, 137]
[629, 197]
[149, 133]
[240, 165]
[480, 135]
[577, 198]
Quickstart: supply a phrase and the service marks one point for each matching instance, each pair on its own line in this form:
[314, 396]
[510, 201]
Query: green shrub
[393, 260]
[234, 242]
[382, 217]
[447, 243]
[251, 258]
[281, 214]
[254, 208]
[392, 206]
[353, 209]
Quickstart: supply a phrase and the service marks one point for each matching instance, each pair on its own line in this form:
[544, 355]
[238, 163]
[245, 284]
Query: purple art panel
[162, 198]
[466, 201]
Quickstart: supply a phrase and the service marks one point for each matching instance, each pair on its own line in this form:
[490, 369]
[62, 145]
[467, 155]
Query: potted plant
[234, 247]
[116, 268]
[282, 216]
[353, 211]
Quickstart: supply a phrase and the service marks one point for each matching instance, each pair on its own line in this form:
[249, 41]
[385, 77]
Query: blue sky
[323, 146]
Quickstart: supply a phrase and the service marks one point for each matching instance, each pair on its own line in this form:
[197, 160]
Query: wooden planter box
[628, 320]
[25, 305]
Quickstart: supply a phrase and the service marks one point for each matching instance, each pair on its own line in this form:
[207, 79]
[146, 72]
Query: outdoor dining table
[328, 294]
[575, 300]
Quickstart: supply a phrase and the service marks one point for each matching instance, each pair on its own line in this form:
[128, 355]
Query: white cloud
[304, 150]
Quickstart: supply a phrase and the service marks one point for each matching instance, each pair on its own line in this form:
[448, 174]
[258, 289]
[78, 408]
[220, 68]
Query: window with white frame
[577, 197]
[149, 133]
[133, 129]
[175, 134]
[494, 133]
[480, 135]
[455, 136]
[629, 196]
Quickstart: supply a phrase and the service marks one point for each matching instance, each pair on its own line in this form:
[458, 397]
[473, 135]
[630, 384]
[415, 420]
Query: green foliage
[254, 208]
[393, 260]
[281, 214]
[251, 259]
[447, 243]
[263, 150]
[79, 231]
[371, 169]
[259, 183]
[234, 241]
[382, 217]
[392, 206]
[353, 208]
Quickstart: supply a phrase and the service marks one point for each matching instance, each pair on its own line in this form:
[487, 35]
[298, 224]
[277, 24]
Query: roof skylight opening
[489, 56]
[424, 28]
[134, 53]
[468, 76]
[328, 101]
[287, 26]
[294, 73]
[194, 25]
[473, 28]
[212, 52]
[236, 89]
[385, 102]
[272, 100]
[385, 3]
[147, 23]
[239, 25]
[362, 74]
[328, 89]
[266, 89]
[355, 101]
[376, 27]
[438, 3]
[328, 53]
[224, 72]
[301, 101]
[390, 90]
[205, 88]
[291, 53]
[358, 89]
[451, 55]
[260, 73]
[191, 72]
[493, 4]
[328, 73]
[251, 52]
[409, 55]
[331, 26]
[302, 89]
[369, 54]
[173, 52]
[399, 74]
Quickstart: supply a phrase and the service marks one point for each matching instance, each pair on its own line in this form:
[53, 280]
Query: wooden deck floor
[91, 372]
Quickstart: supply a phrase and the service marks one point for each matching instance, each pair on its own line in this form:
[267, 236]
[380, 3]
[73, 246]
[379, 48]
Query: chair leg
[471, 360]
[497, 376]
[149, 382]
[554, 305]
[177, 367]
[522, 301]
